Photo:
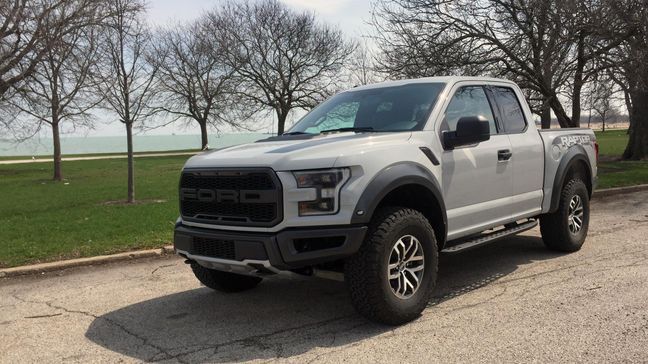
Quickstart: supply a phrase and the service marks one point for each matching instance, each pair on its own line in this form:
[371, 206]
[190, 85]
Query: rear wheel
[224, 281]
[566, 229]
[391, 278]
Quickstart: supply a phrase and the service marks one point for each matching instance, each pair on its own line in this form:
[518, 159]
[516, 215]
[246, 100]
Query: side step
[484, 239]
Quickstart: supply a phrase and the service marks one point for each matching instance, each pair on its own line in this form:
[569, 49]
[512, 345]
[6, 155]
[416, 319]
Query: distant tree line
[563, 53]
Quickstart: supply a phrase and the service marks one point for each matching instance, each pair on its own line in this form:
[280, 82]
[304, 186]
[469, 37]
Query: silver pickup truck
[375, 182]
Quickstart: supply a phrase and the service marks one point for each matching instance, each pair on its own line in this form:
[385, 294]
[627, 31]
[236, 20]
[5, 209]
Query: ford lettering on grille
[250, 197]
[225, 196]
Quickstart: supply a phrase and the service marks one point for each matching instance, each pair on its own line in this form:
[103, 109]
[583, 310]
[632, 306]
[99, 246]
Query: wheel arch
[574, 162]
[406, 184]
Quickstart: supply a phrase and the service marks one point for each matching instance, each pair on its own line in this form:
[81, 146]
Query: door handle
[504, 155]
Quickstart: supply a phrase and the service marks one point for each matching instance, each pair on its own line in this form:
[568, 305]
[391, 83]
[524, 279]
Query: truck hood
[294, 152]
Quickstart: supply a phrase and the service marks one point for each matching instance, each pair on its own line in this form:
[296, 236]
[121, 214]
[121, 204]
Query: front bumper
[251, 253]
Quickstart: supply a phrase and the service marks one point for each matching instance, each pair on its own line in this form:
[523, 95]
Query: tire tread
[362, 271]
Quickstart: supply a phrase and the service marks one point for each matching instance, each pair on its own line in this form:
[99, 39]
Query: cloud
[320, 6]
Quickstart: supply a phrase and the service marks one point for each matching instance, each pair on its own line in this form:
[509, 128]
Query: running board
[491, 237]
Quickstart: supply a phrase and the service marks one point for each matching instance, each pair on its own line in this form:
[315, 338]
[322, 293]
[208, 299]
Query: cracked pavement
[509, 301]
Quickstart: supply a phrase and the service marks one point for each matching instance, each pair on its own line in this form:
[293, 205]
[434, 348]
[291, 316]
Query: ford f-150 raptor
[378, 180]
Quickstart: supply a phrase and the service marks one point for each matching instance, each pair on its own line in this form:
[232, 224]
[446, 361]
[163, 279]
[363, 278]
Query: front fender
[389, 179]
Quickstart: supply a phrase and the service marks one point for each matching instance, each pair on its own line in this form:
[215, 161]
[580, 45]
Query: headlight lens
[327, 184]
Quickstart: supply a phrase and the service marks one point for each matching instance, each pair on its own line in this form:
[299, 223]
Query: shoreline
[99, 156]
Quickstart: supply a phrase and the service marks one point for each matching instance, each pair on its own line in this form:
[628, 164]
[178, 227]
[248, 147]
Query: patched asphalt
[510, 301]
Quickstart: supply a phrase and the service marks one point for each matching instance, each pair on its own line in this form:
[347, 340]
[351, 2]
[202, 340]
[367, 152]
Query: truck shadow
[283, 318]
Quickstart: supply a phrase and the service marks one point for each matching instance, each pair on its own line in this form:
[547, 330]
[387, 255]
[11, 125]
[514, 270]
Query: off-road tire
[365, 272]
[554, 227]
[224, 281]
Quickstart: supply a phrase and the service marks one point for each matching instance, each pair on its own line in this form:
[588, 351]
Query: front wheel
[566, 228]
[390, 279]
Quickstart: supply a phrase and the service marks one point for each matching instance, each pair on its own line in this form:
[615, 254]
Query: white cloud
[320, 6]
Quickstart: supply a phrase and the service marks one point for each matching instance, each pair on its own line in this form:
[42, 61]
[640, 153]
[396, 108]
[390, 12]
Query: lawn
[619, 174]
[613, 172]
[612, 142]
[42, 220]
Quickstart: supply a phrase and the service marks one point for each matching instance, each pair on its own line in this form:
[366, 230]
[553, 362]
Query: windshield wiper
[366, 128]
[295, 133]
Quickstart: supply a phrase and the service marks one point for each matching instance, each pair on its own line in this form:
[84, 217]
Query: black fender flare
[391, 178]
[574, 155]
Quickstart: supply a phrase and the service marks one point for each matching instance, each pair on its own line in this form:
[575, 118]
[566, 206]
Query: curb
[619, 191]
[81, 262]
[103, 259]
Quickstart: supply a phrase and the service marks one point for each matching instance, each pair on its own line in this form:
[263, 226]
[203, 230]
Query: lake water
[117, 144]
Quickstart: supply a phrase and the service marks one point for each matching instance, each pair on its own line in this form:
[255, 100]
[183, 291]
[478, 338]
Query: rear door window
[510, 109]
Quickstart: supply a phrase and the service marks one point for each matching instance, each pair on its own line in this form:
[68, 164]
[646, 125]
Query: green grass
[612, 142]
[42, 220]
[619, 174]
[613, 172]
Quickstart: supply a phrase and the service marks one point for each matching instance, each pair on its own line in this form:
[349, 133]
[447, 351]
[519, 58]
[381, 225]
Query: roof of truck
[441, 79]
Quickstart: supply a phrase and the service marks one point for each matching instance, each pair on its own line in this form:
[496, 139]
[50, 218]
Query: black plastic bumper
[287, 249]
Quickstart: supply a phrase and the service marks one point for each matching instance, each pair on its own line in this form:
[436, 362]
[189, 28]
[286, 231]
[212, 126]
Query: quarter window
[469, 101]
[510, 109]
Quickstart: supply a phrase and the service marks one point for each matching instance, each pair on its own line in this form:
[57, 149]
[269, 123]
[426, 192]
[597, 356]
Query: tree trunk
[628, 103]
[282, 115]
[56, 137]
[561, 114]
[131, 171]
[545, 116]
[204, 142]
[637, 147]
[578, 82]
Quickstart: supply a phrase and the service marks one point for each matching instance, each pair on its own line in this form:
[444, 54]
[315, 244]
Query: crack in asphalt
[257, 341]
[50, 304]
[163, 354]
[43, 316]
[162, 266]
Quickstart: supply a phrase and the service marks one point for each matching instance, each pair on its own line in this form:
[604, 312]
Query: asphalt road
[512, 301]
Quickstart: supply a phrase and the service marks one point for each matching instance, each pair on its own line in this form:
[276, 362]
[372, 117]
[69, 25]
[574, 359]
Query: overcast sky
[350, 15]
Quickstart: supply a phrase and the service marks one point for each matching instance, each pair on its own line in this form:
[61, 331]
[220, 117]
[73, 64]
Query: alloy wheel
[406, 266]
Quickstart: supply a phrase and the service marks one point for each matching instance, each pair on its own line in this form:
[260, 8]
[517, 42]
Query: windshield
[398, 108]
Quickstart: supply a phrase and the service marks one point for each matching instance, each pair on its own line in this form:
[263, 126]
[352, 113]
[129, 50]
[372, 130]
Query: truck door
[527, 150]
[477, 179]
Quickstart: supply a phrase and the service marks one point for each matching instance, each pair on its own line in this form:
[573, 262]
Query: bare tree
[362, 67]
[195, 84]
[61, 89]
[126, 78]
[602, 100]
[285, 59]
[546, 46]
[30, 28]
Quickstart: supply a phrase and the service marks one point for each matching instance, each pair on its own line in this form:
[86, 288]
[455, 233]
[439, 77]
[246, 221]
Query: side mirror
[470, 130]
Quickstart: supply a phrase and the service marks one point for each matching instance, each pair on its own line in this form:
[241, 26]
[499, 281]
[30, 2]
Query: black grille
[214, 248]
[231, 197]
[228, 180]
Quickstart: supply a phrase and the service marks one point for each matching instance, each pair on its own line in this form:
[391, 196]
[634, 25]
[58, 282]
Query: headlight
[327, 183]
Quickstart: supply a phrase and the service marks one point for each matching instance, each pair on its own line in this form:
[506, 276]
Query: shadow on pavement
[283, 318]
